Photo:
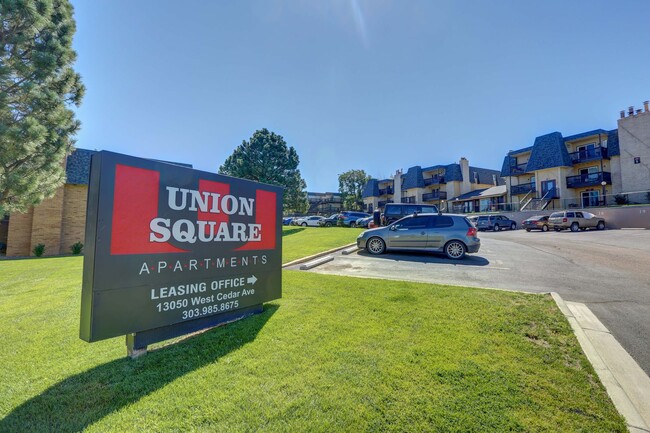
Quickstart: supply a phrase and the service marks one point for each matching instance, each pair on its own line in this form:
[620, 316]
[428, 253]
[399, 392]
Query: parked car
[363, 222]
[296, 221]
[473, 219]
[495, 222]
[537, 222]
[450, 234]
[311, 221]
[287, 221]
[330, 221]
[349, 218]
[395, 211]
[575, 220]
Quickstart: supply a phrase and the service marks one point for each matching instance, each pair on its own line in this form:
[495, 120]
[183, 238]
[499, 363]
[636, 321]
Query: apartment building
[458, 183]
[324, 203]
[593, 168]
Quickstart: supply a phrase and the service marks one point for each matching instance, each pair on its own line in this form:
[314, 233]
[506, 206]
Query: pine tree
[37, 88]
[266, 158]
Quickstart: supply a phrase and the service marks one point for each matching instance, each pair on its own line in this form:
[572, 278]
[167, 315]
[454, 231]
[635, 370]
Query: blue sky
[351, 84]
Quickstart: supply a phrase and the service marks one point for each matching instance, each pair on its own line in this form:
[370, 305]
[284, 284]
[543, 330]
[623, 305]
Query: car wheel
[328, 224]
[496, 228]
[455, 250]
[544, 228]
[601, 225]
[513, 226]
[353, 224]
[527, 230]
[376, 245]
[304, 224]
[575, 227]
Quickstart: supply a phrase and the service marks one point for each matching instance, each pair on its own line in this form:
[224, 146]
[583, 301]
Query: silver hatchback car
[450, 234]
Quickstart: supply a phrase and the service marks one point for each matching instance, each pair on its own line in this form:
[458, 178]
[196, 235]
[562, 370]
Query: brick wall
[57, 223]
[74, 216]
[19, 239]
[47, 222]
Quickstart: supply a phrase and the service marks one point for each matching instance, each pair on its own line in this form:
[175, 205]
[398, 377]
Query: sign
[168, 244]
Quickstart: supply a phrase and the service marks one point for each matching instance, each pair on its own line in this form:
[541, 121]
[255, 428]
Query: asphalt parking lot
[609, 271]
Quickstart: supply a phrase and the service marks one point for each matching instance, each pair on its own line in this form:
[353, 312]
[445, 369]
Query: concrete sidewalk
[626, 383]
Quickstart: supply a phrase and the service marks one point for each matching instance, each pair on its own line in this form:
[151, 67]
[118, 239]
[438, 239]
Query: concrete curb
[316, 262]
[350, 250]
[317, 255]
[626, 383]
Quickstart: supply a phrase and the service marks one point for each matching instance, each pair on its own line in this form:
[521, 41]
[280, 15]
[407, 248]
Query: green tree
[266, 158]
[351, 184]
[37, 88]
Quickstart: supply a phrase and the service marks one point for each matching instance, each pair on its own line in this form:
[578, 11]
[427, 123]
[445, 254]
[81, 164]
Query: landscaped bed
[334, 354]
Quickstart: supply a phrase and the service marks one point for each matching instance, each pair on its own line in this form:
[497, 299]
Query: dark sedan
[537, 222]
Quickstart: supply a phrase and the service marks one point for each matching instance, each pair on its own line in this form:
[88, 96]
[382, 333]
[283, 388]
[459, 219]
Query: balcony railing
[518, 169]
[408, 199]
[523, 188]
[589, 179]
[386, 191]
[384, 203]
[434, 180]
[586, 155]
[435, 195]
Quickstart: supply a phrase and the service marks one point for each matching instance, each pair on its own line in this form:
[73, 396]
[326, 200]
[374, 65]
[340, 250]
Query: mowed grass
[334, 354]
[298, 242]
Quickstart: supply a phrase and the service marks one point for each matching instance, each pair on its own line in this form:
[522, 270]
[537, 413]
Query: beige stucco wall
[634, 141]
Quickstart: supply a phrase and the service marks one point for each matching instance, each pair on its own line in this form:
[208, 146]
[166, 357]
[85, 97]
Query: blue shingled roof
[77, 168]
[413, 178]
[549, 151]
[585, 134]
[371, 189]
[453, 173]
[508, 163]
[484, 175]
[613, 148]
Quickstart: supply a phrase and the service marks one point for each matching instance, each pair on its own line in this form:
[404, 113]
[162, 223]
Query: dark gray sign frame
[172, 250]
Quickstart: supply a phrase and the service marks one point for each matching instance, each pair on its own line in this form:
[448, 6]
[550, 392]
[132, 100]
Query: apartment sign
[167, 244]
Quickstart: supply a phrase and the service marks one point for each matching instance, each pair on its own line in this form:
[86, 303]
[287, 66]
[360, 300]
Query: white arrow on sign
[251, 280]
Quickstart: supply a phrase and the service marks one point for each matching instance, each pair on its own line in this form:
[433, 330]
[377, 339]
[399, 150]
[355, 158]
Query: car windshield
[557, 214]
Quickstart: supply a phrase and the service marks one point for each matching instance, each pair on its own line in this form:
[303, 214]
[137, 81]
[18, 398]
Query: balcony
[434, 180]
[435, 195]
[586, 155]
[524, 188]
[588, 179]
[408, 199]
[386, 191]
[518, 169]
[384, 203]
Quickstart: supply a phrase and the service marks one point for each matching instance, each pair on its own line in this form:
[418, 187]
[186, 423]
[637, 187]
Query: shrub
[39, 250]
[76, 248]
[621, 199]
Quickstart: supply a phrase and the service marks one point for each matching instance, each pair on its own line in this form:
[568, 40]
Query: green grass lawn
[334, 354]
[300, 242]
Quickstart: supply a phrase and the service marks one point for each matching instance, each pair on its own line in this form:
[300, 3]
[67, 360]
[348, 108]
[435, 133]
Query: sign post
[172, 250]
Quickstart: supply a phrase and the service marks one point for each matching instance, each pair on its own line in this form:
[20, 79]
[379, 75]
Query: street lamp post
[603, 183]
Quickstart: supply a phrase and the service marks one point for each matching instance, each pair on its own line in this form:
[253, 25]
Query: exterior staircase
[539, 203]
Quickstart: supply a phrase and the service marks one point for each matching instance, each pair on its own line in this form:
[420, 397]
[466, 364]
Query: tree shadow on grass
[81, 400]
